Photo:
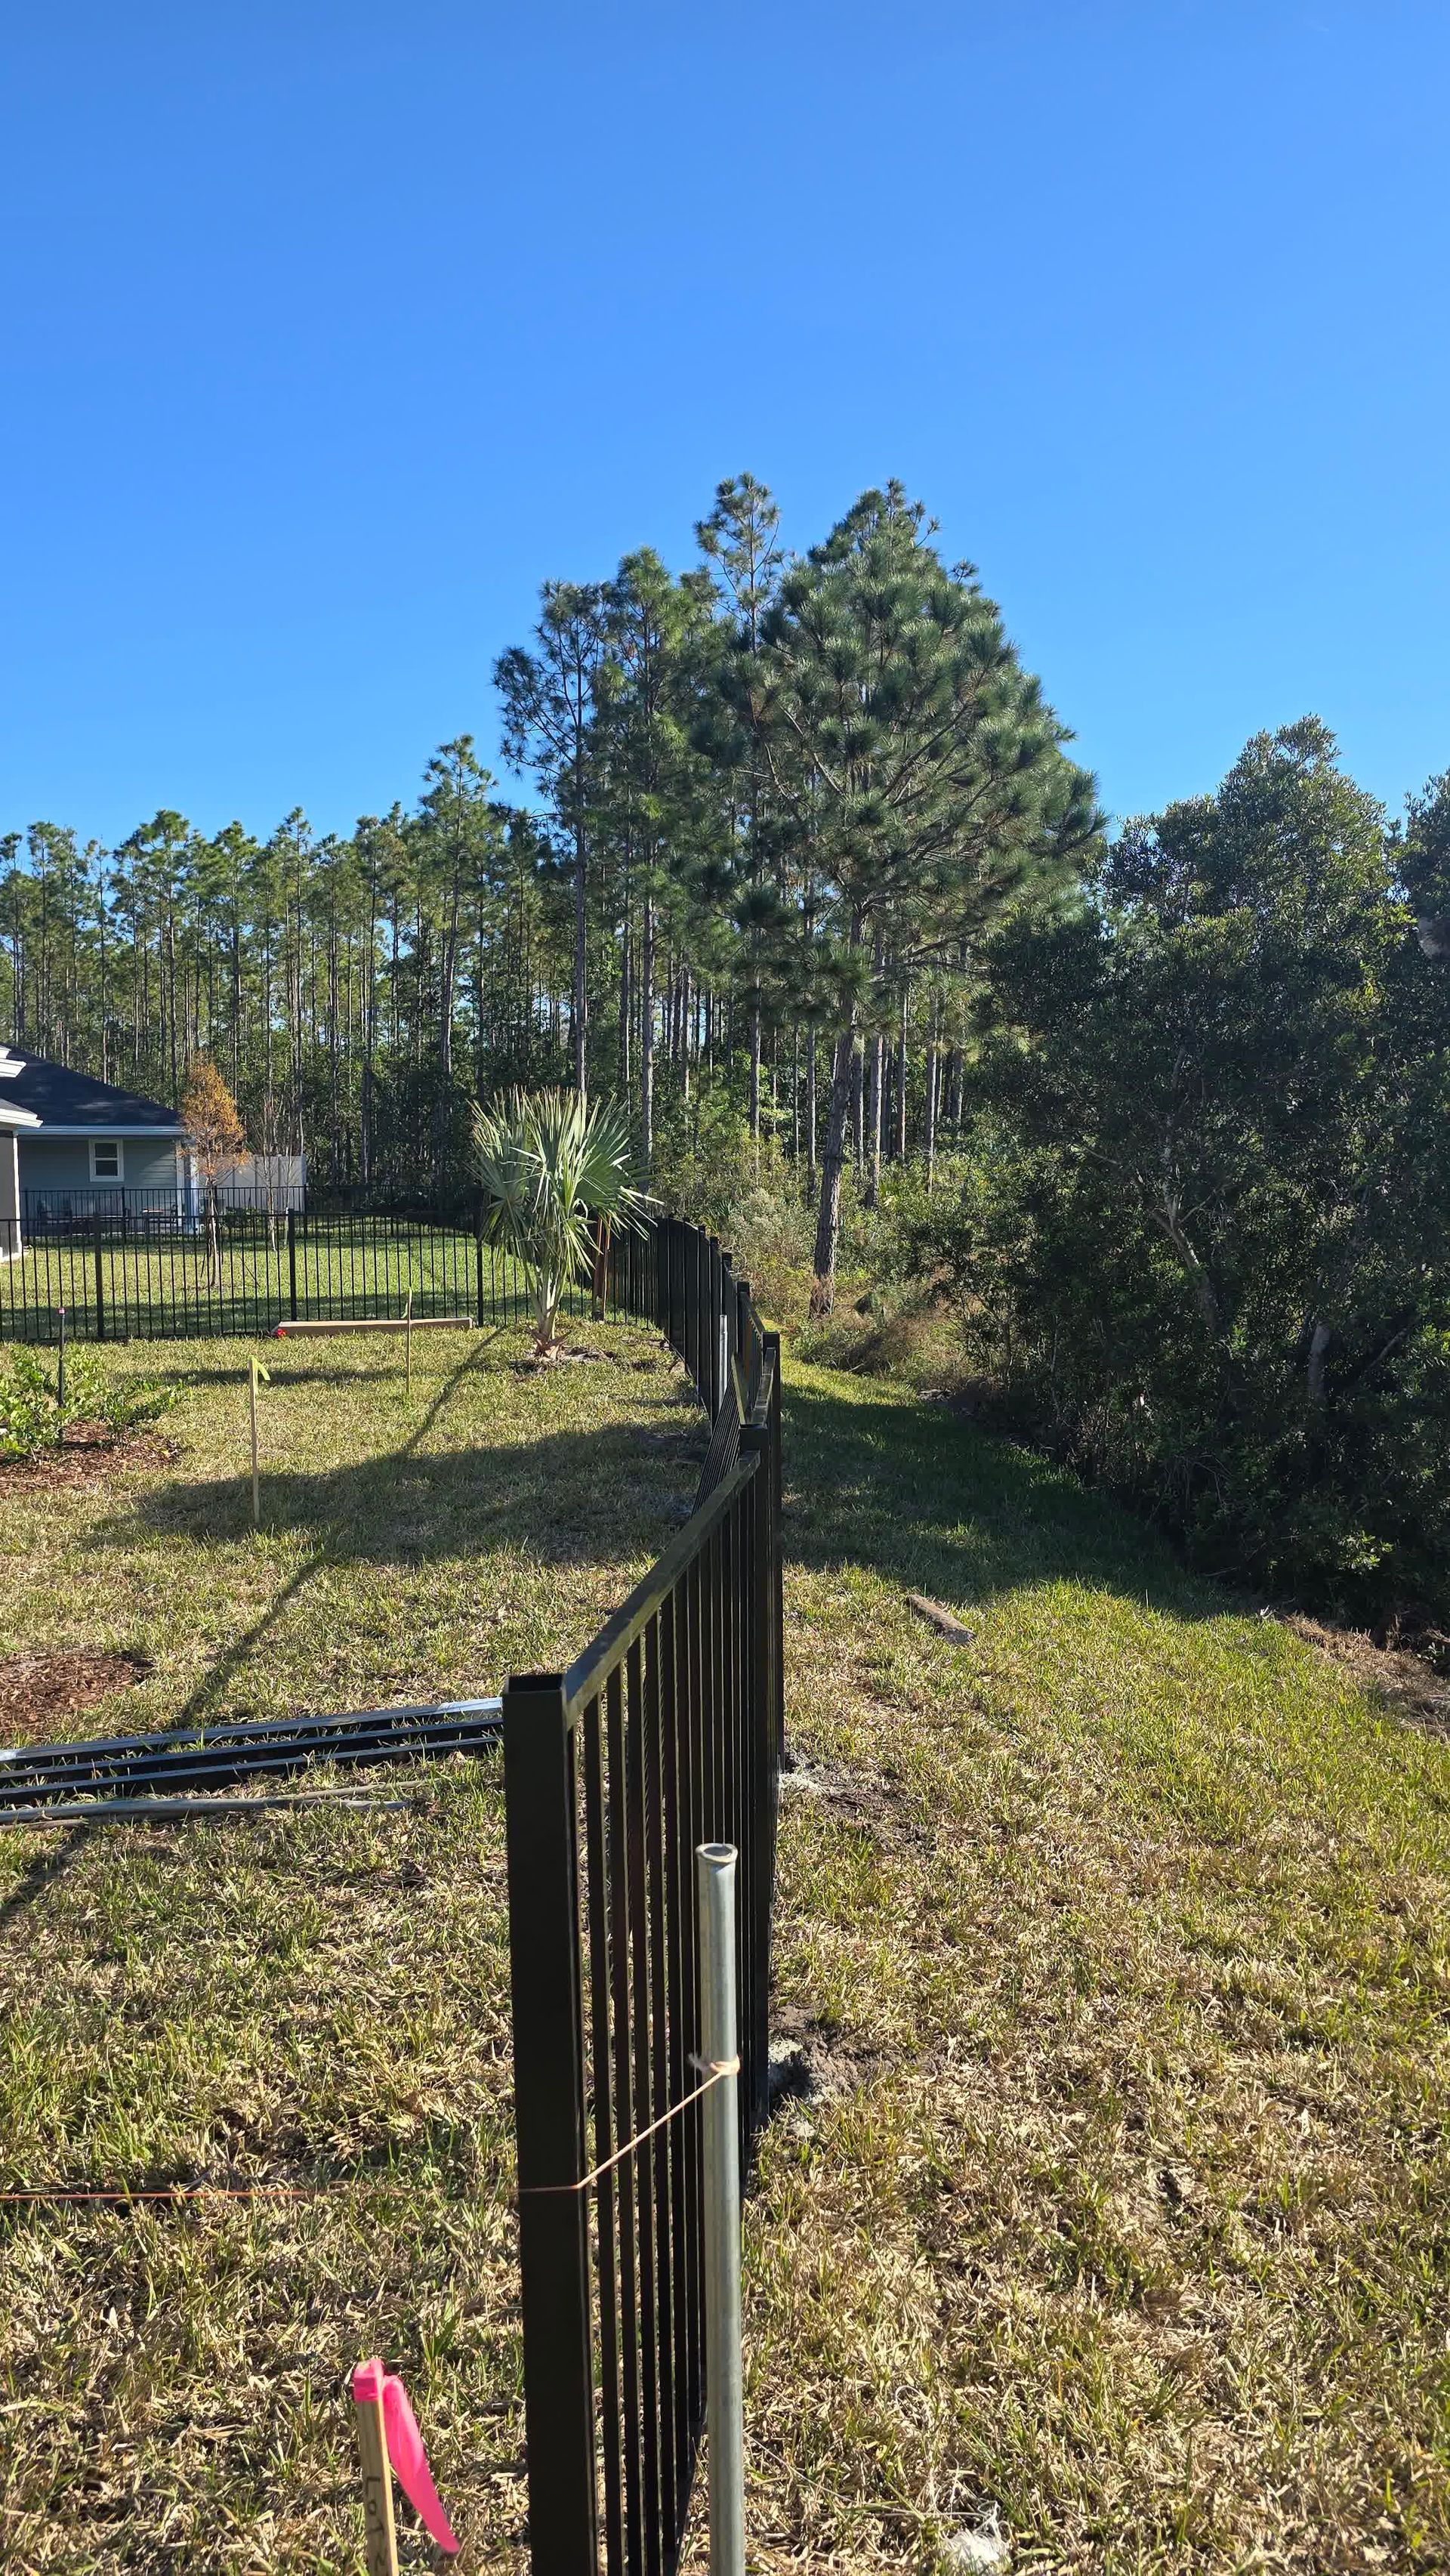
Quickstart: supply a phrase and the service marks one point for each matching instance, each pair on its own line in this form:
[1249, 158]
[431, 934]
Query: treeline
[1198, 1240]
[798, 867]
[776, 804]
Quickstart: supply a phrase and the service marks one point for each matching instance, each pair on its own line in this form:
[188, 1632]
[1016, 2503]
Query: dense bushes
[1202, 1246]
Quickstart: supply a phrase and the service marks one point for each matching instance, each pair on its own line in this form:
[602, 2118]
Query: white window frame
[108, 1145]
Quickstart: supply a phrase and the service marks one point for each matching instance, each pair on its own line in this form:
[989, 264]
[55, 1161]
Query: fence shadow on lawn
[935, 1504]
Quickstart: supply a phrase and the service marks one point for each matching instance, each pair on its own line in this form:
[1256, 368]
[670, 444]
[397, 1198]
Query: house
[71, 1146]
[13, 1122]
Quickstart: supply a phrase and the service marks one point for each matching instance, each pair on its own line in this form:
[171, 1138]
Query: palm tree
[553, 1168]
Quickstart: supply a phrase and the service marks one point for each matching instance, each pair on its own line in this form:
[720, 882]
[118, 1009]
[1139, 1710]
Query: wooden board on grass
[374, 1324]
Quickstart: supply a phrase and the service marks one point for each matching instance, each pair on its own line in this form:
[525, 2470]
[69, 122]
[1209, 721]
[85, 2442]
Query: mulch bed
[89, 1456]
[40, 1694]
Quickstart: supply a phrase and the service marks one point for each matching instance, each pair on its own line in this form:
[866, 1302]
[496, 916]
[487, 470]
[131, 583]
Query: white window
[106, 1158]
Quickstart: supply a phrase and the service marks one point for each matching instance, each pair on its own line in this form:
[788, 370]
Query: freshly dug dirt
[40, 1694]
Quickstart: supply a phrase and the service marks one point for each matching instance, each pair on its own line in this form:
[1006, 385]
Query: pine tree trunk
[828, 1223]
[811, 1119]
[933, 1077]
[581, 954]
[874, 1119]
[647, 1035]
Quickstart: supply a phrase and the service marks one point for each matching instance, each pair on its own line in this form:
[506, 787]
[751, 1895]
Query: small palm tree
[552, 1167]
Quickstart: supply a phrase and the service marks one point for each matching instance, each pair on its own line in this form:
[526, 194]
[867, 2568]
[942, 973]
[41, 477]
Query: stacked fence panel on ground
[666, 1733]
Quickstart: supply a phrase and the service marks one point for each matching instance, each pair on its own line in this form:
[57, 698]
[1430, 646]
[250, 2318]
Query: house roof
[54, 1098]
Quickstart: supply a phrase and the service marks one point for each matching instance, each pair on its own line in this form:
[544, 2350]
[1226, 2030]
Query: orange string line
[547, 2190]
[371, 2191]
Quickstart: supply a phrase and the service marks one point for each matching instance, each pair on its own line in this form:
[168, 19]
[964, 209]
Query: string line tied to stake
[718, 2070]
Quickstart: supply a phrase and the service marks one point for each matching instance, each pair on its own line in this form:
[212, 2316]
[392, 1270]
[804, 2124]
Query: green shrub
[33, 1417]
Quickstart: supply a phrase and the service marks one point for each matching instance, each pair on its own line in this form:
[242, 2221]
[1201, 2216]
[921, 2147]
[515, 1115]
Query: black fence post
[541, 1822]
[100, 1284]
[478, 1258]
[292, 1259]
[777, 1569]
[760, 1770]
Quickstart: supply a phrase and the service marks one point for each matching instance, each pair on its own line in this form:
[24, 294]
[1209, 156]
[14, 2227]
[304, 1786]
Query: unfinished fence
[665, 1733]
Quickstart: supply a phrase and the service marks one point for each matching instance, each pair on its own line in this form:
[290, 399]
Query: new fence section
[137, 1265]
[665, 1734]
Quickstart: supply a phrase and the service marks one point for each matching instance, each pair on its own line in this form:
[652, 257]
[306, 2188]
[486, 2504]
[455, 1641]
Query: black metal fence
[141, 1265]
[666, 1733]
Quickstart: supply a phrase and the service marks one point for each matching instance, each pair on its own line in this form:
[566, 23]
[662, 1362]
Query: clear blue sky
[331, 330]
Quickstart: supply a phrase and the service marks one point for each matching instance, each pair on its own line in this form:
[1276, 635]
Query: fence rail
[665, 1733]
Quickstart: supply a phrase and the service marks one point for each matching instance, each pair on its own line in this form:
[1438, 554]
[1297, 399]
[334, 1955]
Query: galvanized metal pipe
[724, 2385]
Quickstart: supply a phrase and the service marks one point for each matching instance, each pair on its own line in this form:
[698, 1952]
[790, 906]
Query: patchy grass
[1111, 2201]
[1105, 2200]
[315, 2001]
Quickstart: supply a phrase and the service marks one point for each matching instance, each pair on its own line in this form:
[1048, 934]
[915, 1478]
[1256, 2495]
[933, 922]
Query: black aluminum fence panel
[140, 1265]
[665, 1734]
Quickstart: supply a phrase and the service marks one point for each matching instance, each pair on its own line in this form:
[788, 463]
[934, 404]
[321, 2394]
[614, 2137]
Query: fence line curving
[665, 1733]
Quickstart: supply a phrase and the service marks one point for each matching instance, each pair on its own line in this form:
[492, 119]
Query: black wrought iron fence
[145, 1266]
[666, 1733]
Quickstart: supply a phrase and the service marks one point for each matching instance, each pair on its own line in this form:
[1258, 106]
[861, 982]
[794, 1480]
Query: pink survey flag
[409, 2460]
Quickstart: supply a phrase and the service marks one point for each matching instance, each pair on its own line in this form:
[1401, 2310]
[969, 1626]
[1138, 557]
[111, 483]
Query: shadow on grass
[940, 1507]
[570, 1497]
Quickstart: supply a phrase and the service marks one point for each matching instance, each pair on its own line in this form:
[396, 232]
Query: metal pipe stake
[724, 2389]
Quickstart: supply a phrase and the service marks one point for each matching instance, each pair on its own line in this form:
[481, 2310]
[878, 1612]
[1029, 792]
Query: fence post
[763, 1771]
[777, 1540]
[100, 1284]
[478, 1258]
[541, 1822]
[724, 2396]
[292, 1259]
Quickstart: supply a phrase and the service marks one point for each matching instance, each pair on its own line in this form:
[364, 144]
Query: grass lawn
[1116, 1937]
[315, 1998]
[1107, 2194]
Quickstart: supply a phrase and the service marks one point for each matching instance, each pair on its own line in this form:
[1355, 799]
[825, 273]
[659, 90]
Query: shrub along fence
[665, 1733]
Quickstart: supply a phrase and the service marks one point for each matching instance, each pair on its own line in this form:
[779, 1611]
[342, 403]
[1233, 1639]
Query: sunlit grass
[318, 2000]
[1108, 2198]
[1118, 1939]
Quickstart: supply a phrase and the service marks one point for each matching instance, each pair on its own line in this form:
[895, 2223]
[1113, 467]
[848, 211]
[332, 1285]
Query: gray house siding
[62, 1163]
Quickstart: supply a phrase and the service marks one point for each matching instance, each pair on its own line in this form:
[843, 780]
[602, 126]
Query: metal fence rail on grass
[665, 1733]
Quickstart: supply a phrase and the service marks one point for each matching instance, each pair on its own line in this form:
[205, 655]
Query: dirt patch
[869, 1800]
[812, 2059]
[1413, 1686]
[89, 1457]
[40, 1694]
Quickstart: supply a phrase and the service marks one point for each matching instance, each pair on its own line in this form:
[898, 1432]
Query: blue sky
[330, 331]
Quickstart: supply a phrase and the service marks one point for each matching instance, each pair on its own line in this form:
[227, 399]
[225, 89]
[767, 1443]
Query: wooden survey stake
[257, 1371]
[380, 2538]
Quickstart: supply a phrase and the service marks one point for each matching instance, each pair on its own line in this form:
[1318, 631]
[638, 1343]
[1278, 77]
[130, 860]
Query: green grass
[1111, 2189]
[1118, 1940]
